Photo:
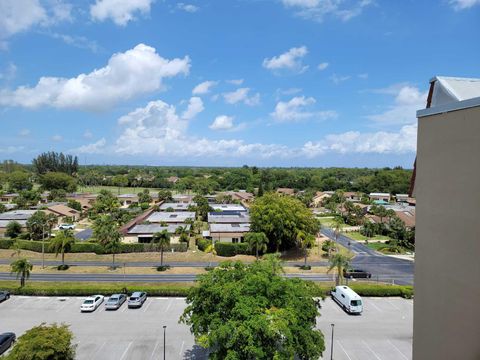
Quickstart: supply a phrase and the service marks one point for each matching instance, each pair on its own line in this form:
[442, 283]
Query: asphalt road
[382, 332]
[380, 266]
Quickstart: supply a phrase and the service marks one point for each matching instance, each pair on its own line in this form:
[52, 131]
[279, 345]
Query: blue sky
[257, 82]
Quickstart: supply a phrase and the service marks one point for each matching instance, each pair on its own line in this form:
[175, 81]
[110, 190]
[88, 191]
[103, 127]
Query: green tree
[3, 208]
[339, 262]
[144, 197]
[257, 242]
[44, 342]
[202, 208]
[55, 162]
[165, 195]
[243, 311]
[13, 229]
[27, 198]
[21, 268]
[305, 242]
[104, 228]
[58, 181]
[105, 203]
[280, 218]
[74, 204]
[62, 243]
[114, 245]
[163, 240]
[37, 225]
[19, 180]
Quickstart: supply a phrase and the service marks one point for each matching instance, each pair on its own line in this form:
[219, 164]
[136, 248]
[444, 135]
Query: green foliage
[202, 208]
[144, 197]
[38, 225]
[27, 198]
[162, 239]
[55, 162]
[53, 342]
[280, 218]
[13, 229]
[339, 262]
[58, 181]
[257, 242]
[230, 249]
[104, 229]
[22, 269]
[251, 312]
[203, 244]
[3, 208]
[57, 195]
[6, 243]
[19, 180]
[74, 204]
[105, 203]
[62, 243]
[165, 195]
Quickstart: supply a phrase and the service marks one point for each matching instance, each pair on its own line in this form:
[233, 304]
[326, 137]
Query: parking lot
[383, 331]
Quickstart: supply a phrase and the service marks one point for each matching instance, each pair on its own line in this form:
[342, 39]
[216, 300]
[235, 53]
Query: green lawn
[355, 235]
[116, 190]
[328, 222]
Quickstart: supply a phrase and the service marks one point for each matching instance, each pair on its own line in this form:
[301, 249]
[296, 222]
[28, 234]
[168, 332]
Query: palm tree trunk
[306, 253]
[161, 257]
[63, 258]
[113, 262]
[22, 280]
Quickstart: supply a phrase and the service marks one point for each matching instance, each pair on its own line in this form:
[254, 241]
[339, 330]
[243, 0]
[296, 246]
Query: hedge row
[371, 290]
[230, 249]
[203, 244]
[90, 247]
[86, 289]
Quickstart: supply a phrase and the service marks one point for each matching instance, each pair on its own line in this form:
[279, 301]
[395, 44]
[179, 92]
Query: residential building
[183, 198]
[380, 198]
[241, 195]
[447, 267]
[63, 213]
[171, 218]
[127, 199]
[355, 197]
[173, 179]
[228, 207]
[143, 233]
[176, 206]
[8, 198]
[232, 217]
[286, 191]
[402, 198]
[20, 216]
[319, 197]
[233, 233]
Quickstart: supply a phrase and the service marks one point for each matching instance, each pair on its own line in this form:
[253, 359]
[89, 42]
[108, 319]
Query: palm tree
[22, 268]
[163, 240]
[305, 241]
[51, 221]
[337, 226]
[257, 241]
[338, 262]
[62, 243]
[114, 245]
[17, 249]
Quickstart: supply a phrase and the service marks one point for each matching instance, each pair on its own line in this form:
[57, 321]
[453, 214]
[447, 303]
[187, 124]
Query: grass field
[355, 235]
[115, 189]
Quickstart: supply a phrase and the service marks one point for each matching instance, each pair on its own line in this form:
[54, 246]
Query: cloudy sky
[257, 82]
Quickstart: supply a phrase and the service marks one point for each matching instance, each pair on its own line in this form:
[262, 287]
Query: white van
[348, 299]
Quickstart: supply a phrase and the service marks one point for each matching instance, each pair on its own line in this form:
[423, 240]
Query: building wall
[227, 237]
[447, 258]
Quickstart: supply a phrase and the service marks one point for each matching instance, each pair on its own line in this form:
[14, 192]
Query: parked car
[4, 295]
[115, 301]
[137, 299]
[91, 303]
[348, 299]
[6, 340]
[356, 274]
[67, 227]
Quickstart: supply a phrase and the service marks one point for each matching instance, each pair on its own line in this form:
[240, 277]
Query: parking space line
[181, 348]
[98, 350]
[370, 349]
[396, 348]
[148, 305]
[375, 306]
[154, 350]
[169, 304]
[343, 349]
[395, 306]
[126, 350]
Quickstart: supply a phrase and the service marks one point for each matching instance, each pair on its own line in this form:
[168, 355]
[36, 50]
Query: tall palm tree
[22, 268]
[337, 227]
[305, 241]
[163, 240]
[114, 245]
[339, 262]
[257, 241]
[51, 221]
[62, 243]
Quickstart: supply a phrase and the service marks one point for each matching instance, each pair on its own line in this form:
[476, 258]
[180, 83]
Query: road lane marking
[370, 349]
[343, 349]
[126, 350]
[396, 348]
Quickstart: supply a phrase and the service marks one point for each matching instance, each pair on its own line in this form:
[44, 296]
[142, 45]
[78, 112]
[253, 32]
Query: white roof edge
[459, 105]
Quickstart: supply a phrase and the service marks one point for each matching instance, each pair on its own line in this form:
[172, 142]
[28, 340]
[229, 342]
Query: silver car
[115, 301]
[137, 299]
[4, 295]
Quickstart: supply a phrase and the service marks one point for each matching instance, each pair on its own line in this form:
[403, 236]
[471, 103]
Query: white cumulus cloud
[137, 71]
[187, 7]
[119, 11]
[317, 10]
[222, 122]
[97, 147]
[195, 107]
[290, 60]
[204, 87]
[237, 82]
[296, 110]
[241, 95]
[322, 66]
[463, 4]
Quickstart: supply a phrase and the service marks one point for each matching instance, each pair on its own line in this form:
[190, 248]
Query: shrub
[372, 290]
[305, 267]
[6, 243]
[163, 268]
[63, 267]
[230, 249]
[203, 244]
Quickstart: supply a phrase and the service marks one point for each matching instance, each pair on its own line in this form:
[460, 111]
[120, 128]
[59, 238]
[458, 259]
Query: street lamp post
[331, 346]
[164, 330]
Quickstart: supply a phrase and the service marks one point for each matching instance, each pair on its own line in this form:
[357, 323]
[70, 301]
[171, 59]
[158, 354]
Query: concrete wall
[447, 258]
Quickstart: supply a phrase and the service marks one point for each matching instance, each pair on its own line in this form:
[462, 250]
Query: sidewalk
[404, 257]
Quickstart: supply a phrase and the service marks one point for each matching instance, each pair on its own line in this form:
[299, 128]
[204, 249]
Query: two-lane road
[381, 266]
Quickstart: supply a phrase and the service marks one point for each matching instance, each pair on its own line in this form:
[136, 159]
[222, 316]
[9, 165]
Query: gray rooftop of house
[229, 228]
[176, 206]
[84, 234]
[239, 217]
[4, 223]
[154, 228]
[17, 215]
[228, 207]
[172, 217]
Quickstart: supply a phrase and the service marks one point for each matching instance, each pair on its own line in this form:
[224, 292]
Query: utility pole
[164, 330]
[331, 347]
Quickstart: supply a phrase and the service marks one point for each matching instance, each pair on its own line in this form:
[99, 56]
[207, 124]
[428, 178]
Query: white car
[91, 303]
[67, 227]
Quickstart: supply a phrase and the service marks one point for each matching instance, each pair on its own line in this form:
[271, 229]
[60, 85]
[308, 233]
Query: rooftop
[17, 215]
[154, 228]
[176, 206]
[228, 207]
[228, 217]
[229, 228]
[171, 217]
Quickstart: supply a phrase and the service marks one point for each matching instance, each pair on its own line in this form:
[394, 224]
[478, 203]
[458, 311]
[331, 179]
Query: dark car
[6, 340]
[356, 274]
[4, 295]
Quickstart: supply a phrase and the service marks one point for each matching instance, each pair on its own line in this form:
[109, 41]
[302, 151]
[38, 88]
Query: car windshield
[88, 302]
[113, 299]
[134, 298]
[356, 302]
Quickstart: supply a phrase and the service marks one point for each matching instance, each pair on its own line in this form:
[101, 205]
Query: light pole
[331, 347]
[164, 330]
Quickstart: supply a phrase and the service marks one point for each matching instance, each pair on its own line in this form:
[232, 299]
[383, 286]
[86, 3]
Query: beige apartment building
[447, 189]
